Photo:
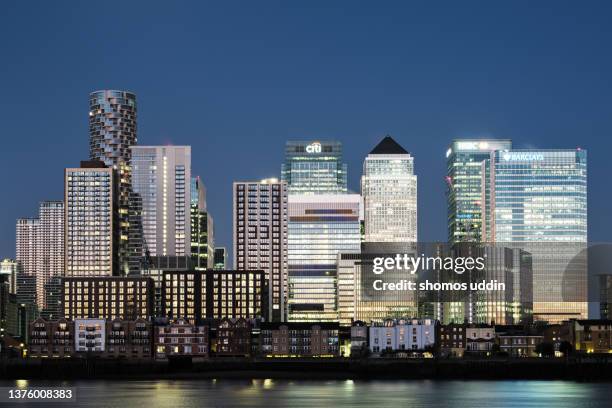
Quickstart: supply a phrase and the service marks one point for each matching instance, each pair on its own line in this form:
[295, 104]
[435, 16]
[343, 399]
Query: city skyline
[424, 84]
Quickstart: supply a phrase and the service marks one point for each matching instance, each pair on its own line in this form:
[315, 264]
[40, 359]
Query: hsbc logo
[314, 147]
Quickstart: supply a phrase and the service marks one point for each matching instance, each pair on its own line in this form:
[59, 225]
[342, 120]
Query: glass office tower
[389, 190]
[537, 200]
[202, 228]
[464, 178]
[320, 228]
[314, 167]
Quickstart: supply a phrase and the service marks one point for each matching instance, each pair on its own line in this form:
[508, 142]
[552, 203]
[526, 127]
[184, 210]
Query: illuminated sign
[473, 145]
[314, 147]
[522, 156]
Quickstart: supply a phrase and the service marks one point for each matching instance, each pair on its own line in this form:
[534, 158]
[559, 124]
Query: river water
[322, 393]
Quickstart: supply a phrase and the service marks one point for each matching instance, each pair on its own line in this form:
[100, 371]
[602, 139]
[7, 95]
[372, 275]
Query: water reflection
[346, 393]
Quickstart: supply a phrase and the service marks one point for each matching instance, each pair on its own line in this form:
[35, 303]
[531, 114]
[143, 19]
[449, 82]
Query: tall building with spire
[389, 191]
[112, 132]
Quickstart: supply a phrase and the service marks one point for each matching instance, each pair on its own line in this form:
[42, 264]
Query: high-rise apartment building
[536, 200]
[260, 236]
[112, 131]
[202, 228]
[320, 228]
[40, 245]
[51, 239]
[314, 167]
[27, 244]
[464, 178]
[161, 177]
[389, 191]
[90, 222]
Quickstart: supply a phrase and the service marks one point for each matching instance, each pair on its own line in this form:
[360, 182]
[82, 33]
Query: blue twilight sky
[235, 80]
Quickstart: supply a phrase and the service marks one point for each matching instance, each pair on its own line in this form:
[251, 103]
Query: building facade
[180, 338]
[314, 167]
[52, 339]
[112, 131]
[220, 258]
[89, 336]
[320, 227]
[40, 246]
[233, 338]
[260, 237]
[162, 180]
[202, 228]
[9, 269]
[129, 339]
[389, 191]
[91, 232]
[536, 200]
[464, 179]
[214, 294]
[109, 297]
[394, 335]
[299, 340]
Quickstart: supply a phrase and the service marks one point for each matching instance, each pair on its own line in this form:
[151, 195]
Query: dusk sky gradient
[235, 80]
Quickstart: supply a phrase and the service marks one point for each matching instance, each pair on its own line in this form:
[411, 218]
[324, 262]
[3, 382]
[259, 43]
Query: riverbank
[584, 369]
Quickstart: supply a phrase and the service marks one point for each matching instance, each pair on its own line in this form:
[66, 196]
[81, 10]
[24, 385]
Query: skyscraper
[537, 200]
[220, 258]
[161, 177]
[389, 191]
[90, 218]
[8, 273]
[202, 228]
[320, 228]
[314, 167]
[40, 246]
[260, 236]
[112, 131]
[27, 244]
[51, 239]
[464, 178]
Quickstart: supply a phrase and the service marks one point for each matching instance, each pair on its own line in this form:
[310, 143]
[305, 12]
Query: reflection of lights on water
[21, 383]
[268, 384]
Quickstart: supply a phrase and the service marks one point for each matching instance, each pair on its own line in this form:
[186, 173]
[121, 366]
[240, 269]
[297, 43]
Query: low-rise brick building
[299, 339]
[180, 338]
[51, 338]
[128, 339]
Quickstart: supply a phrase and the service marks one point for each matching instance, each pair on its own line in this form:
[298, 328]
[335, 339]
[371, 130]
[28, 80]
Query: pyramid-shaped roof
[388, 146]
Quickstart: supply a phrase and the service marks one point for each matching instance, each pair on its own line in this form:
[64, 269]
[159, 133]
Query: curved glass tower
[112, 131]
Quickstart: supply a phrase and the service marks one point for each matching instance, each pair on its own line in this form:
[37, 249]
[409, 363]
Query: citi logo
[314, 147]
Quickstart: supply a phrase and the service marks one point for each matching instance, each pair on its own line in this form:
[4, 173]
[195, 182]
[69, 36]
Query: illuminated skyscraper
[40, 246]
[161, 177]
[90, 217]
[389, 190]
[537, 200]
[202, 228]
[260, 237]
[464, 178]
[112, 132]
[320, 228]
[314, 167]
